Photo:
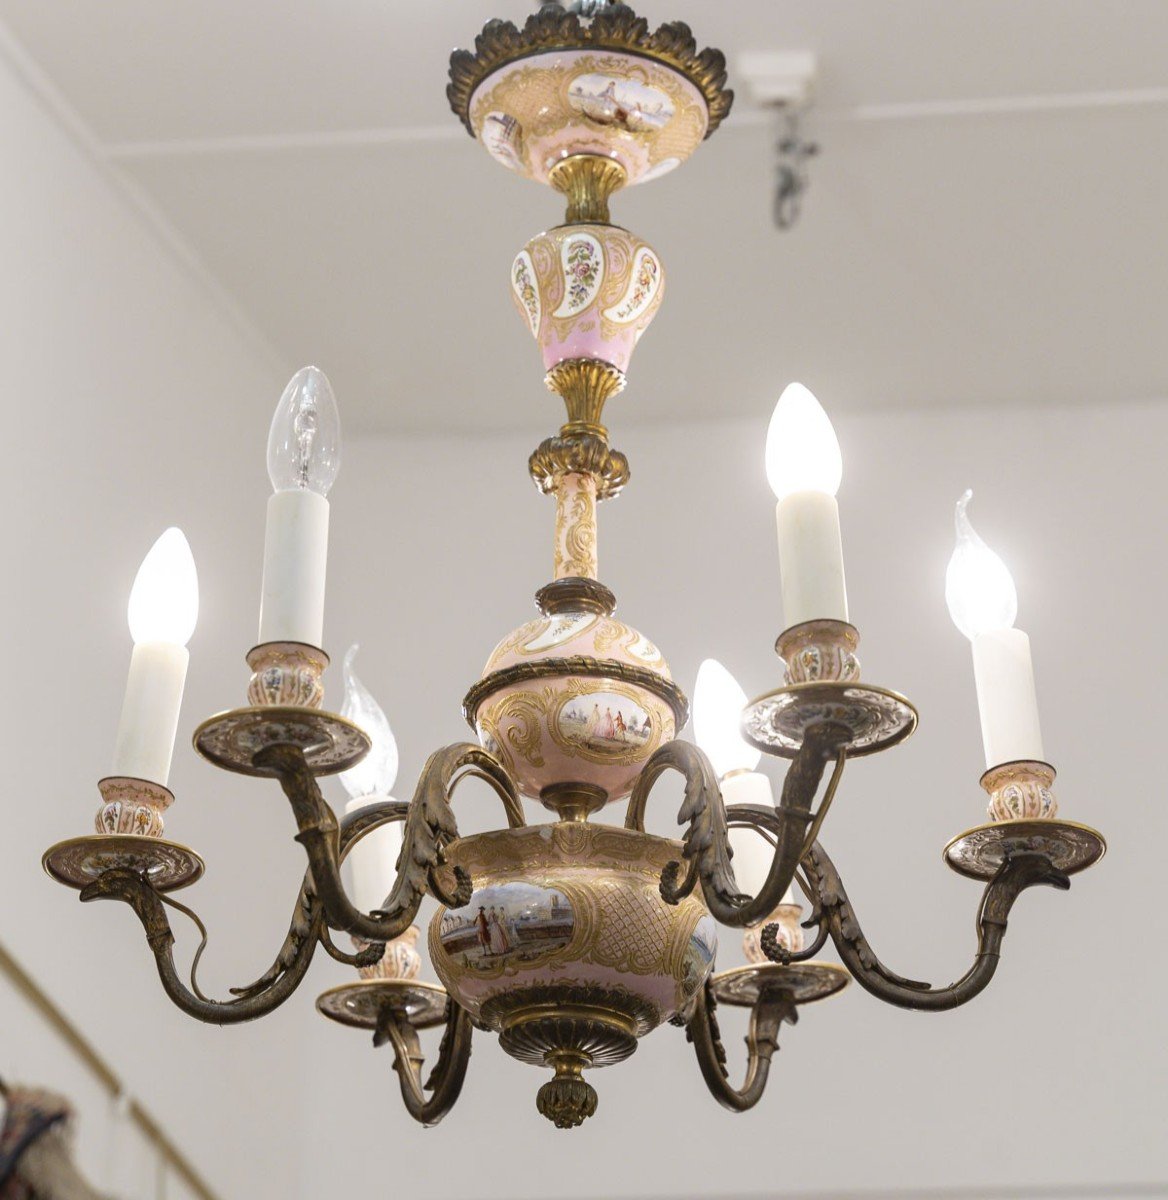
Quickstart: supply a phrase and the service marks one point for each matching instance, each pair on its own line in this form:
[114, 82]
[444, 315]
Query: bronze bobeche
[581, 1027]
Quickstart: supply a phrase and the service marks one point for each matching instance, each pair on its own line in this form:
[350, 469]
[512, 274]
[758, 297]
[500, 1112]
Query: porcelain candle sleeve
[1006, 697]
[752, 854]
[811, 558]
[373, 861]
[149, 722]
[295, 559]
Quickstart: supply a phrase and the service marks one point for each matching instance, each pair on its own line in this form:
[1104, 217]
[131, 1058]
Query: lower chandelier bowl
[874, 717]
[330, 743]
[166, 866]
[743, 987]
[980, 852]
[363, 1003]
[566, 948]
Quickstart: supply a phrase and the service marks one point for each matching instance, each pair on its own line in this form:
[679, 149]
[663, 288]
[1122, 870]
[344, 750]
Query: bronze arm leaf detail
[256, 1000]
[446, 1080]
[706, 846]
[1017, 873]
[429, 827]
[762, 1041]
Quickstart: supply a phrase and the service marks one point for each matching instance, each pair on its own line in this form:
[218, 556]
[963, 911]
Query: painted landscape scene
[610, 101]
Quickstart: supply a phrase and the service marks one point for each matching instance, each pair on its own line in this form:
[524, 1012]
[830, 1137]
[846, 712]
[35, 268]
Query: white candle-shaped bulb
[717, 713]
[983, 603]
[164, 601]
[162, 613]
[373, 860]
[304, 456]
[802, 451]
[805, 468]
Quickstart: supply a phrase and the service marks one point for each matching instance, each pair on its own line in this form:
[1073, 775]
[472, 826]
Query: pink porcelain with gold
[587, 291]
[569, 909]
[534, 112]
[586, 724]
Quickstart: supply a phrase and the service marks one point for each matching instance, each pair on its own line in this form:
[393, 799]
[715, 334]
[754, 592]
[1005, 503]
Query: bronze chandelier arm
[1019, 872]
[429, 827]
[256, 1000]
[446, 1080]
[706, 846]
[762, 1040]
[368, 956]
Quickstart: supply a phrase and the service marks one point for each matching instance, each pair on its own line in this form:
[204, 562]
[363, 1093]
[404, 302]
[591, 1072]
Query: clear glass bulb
[979, 589]
[802, 451]
[375, 774]
[717, 710]
[164, 601]
[304, 443]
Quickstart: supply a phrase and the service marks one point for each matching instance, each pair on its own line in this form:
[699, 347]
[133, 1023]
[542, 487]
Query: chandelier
[571, 940]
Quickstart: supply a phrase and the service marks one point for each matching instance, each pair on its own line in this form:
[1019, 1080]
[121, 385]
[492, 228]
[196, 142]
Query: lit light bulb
[164, 601]
[978, 587]
[304, 443]
[717, 710]
[802, 452]
[375, 774]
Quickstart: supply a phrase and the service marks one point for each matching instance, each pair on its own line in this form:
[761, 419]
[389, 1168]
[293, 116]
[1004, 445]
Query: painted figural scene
[509, 922]
[604, 720]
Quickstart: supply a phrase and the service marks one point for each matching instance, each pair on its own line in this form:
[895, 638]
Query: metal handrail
[86, 1052]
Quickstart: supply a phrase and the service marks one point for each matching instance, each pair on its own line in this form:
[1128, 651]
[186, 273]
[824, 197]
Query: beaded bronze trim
[616, 28]
[579, 664]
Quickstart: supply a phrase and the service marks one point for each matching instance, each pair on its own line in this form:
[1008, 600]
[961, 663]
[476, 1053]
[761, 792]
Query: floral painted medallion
[526, 293]
[597, 288]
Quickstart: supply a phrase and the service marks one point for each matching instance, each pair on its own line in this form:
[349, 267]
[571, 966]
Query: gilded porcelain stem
[575, 526]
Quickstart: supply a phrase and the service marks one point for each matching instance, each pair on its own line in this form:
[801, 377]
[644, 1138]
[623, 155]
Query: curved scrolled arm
[762, 1040]
[255, 1000]
[446, 1080]
[706, 845]
[429, 828]
[1019, 872]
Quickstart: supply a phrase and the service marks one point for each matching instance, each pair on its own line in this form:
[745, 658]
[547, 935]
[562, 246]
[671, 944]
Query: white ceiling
[985, 224]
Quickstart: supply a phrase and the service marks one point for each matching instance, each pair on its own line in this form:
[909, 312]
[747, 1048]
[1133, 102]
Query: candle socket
[286, 674]
[789, 933]
[399, 961]
[1020, 791]
[821, 651]
[132, 806]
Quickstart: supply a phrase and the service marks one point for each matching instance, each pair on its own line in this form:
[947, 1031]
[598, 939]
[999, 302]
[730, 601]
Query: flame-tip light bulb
[162, 613]
[983, 603]
[373, 860]
[304, 456]
[805, 468]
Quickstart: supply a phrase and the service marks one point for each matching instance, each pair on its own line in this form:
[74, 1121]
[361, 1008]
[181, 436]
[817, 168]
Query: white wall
[1056, 1075]
[128, 402]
